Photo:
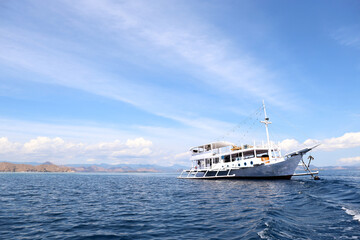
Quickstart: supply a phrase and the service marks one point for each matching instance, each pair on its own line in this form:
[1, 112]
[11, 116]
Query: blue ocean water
[159, 206]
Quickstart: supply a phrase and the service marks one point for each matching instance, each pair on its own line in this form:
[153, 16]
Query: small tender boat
[218, 160]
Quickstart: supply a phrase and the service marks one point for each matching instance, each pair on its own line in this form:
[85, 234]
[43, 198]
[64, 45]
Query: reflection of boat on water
[225, 160]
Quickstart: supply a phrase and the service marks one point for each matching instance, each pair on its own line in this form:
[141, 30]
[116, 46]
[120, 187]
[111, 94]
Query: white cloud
[132, 153]
[138, 142]
[41, 144]
[350, 160]
[101, 140]
[6, 146]
[289, 144]
[61, 151]
[348, 140]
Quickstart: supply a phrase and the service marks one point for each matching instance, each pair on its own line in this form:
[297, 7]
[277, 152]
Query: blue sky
[143, 81]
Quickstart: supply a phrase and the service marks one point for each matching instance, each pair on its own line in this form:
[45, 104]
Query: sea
[160, 206]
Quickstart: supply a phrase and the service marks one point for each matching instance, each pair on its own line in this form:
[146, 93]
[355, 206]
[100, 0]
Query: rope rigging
[253, 119]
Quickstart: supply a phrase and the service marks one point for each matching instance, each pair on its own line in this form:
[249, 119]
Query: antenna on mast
[266, 122]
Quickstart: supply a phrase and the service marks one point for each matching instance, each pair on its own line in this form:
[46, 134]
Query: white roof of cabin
[215, 145]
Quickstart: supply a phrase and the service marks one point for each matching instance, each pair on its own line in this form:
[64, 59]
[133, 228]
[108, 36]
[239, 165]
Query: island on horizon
[101, 168]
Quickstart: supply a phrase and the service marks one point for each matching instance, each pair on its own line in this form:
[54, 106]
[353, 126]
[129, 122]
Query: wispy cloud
[80, 131]
[348, 36]
[53, 66]
[182, 40]
[182, 37]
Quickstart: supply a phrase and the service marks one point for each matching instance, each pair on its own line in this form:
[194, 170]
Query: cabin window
[207, 162]
[249, 154]
[226, 158]
[262, 153]
[216, 160]
[234, 156]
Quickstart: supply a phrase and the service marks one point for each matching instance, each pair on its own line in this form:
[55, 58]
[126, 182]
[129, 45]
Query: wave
[262, 234]
[353, 213]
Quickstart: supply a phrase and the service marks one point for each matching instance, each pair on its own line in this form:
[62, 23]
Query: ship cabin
[226, 155]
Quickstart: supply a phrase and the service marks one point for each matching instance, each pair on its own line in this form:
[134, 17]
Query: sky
[131, 82]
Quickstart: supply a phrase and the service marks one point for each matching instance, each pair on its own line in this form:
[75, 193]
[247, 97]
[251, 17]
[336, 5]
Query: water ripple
[159, 206]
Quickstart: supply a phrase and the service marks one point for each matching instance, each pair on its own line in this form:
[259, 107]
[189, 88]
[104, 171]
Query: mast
[266, 122]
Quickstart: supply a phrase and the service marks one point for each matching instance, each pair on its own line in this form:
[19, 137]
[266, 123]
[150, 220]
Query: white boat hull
[280, 170]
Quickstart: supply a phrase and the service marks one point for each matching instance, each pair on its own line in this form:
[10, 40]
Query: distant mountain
[103, 167]
[338, 168]
[316, 168]
[48, 163]
[30, 163]
[45, 167]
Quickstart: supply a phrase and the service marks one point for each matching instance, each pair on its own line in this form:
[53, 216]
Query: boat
[225, 160]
